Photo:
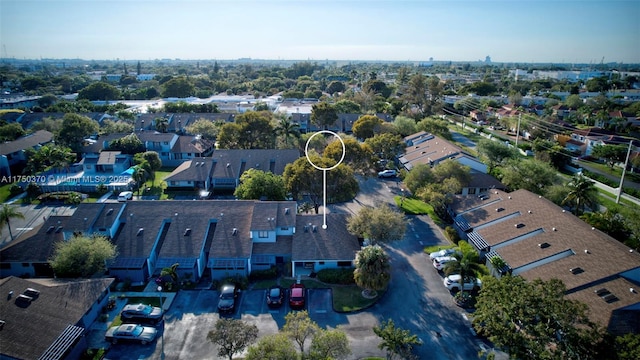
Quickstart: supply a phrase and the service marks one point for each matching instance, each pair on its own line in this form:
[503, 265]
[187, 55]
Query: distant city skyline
[531, 31]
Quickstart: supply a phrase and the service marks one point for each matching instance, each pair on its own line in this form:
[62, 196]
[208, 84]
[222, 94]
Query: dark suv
[275, 296]
[227, 302]
[141, 313]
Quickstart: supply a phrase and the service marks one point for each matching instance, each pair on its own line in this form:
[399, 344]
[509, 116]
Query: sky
[549, 31]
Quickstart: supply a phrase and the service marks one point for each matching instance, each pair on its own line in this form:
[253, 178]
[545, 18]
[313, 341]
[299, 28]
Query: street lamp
[162, 310]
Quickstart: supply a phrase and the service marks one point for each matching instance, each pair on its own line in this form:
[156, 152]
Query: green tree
[161, 124]
[82, 256]
[7, 213]
[130, 144]
[386, 146]
[99, 91]
[172, 272]
[582, 192]
[256, 131]
[612, 154]
[116, 127]
[205, 128]
[611, 222]
[179, 87]
[299, 327]
[495, 152]
[323, 115]
[356, 154]
[74, 129]
[286, 128]
[11, 131]
[373, 270]
[346, 106]
[435, 127]
[405, 125]
[396, 341]
[534, 320]
[366, 126]
[232, 336]
[272, 347]
[416, 94]
[49, 156]
[528, 174]
[229, 136]
[379, 224]
[467, 266]
[150, 161]
[419, 177]
[260, 185]
[301, 179]
[330, 344]
[335, 86]
[627, 347]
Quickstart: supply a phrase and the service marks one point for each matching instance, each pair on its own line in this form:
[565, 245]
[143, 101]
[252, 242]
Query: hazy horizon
[528, 31]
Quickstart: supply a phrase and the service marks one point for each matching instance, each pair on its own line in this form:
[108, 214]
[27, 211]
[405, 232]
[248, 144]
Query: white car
[125, 195]
[441, 253]
[440, 261]
[452, 282]
[387, 173]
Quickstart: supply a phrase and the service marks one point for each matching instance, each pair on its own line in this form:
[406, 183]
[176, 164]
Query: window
[165, 143]
[25, 265]
[173, 183]
[344, 263]
[472, 191]
[284, 228]
[263, 234]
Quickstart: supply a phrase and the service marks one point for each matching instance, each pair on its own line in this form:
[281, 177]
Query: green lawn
[4, 192]
[413, 206]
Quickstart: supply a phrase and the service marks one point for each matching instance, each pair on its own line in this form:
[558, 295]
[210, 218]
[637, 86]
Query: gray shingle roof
[39, 137]
[312, 242]
[29, 330]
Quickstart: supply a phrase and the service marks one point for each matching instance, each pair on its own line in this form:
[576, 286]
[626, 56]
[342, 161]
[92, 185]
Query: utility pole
[518, 129]
[624, 170]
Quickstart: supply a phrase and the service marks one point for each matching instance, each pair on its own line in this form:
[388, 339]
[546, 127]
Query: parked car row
[453, 281]
[275, 297]
[134, 318]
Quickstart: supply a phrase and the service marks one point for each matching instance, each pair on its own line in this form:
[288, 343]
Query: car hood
[225, 303]
[148, 333]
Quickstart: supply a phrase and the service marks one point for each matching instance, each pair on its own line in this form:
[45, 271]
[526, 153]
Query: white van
[125, 195]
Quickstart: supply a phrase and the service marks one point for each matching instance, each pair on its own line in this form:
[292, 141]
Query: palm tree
[7, 213]
[287, 129]
[171, 272]
[161, 124]
[139, 174]
[373, 270]
[582, 192]
[467, 266]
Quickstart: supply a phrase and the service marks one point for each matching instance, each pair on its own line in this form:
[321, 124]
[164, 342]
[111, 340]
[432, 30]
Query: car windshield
[227, 294]
[145, 309]
[274, 292]
[137, 330]
[296, 293]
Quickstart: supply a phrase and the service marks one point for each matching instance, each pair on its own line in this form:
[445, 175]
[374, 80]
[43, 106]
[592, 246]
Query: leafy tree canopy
[74, 129]
[398, 342]
[129, 144]
[99, 91]
[534, 320]
[366, 126]
[10, 132]
[299, 327]
[379, 224]
[373, 268]
[179, 87]
[82, 256]
[232, 336]
[260, 185]
[272, 347]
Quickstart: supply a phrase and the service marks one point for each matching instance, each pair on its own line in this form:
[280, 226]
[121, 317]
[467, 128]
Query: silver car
[131, 332]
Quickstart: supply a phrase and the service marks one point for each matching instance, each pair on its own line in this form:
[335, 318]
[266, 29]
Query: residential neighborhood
[209, 204]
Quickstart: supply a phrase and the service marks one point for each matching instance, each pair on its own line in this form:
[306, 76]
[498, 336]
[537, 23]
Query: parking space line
[321, 311]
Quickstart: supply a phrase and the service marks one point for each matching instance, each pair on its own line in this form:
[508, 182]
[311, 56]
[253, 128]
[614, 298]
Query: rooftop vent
[544, 245]
[228, 165]
[519, 225]
[286, 211]
[499, 209]
[610, 298]
[109, 212]
[306, 228]
[554, 229]
[529, 211]
[187, 232]
[24, 299]
[140, 231]
[315, 228]
[31, 292]
[576, 270]
[59, 229]
[602, 292]
[483, 197]
[50, 229]
[234, 231]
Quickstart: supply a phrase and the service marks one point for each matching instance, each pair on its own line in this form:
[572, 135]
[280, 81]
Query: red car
[296, 296]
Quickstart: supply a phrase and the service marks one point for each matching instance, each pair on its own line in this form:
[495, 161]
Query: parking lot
[194, 313]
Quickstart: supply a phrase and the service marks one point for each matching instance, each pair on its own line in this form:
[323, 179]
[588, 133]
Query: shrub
[452, 234]
[336, 276]
[271, 273]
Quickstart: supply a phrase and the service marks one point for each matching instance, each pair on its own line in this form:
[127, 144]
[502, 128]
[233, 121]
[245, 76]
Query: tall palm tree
[582, 192]
[287, 129]
[467, 266]
[139, 174]
[7, 213]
